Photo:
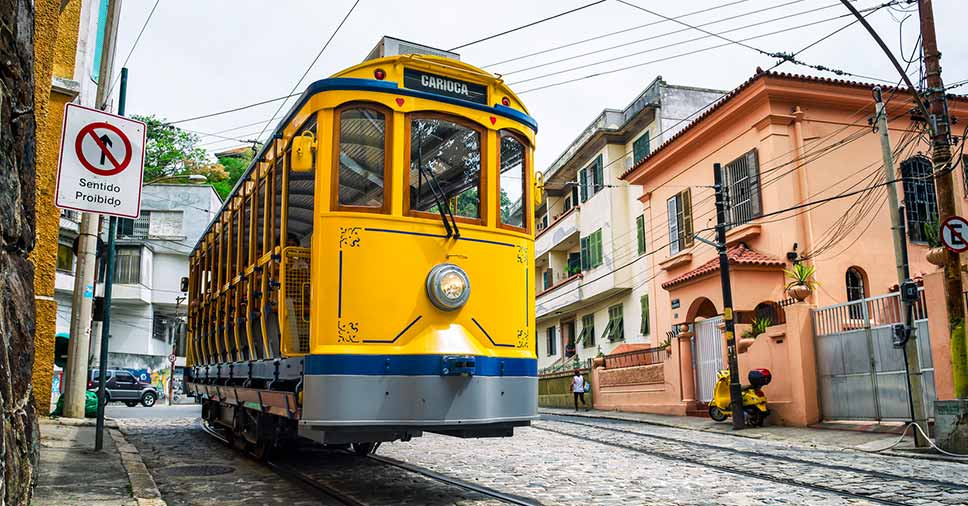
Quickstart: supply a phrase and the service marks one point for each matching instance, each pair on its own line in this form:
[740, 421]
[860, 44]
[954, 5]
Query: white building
[592, 294]
[148, 307]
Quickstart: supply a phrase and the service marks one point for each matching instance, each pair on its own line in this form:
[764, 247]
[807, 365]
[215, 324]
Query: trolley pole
[944, 183]
[735, 389]
[108, 284]
[907, 337]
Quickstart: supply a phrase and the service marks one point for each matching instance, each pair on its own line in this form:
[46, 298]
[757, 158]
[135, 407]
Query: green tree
[170, 150]
[234, 167]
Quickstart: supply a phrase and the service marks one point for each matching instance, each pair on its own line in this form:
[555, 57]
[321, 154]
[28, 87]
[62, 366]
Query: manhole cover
[197, 470]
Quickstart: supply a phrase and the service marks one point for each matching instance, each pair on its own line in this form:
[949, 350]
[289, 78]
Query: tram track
[331, 494]
[706, 456]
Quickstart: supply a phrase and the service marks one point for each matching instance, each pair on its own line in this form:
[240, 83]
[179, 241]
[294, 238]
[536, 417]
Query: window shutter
[673, 221]
[756, 200]
[686, 196]
[585, 260]
[641, 147]
[640, 232]
[599, 178]
[582, 186]
[645, 315]
[595, 247]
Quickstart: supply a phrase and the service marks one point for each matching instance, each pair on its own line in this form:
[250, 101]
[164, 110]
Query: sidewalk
[71, 473]
[825, 435]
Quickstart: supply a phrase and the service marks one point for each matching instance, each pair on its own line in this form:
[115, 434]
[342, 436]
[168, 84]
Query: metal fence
[634, 358]
[566, 365]
[861, 374]
[865, 313]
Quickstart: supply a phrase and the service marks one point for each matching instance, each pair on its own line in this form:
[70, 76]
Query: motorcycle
[754, 400]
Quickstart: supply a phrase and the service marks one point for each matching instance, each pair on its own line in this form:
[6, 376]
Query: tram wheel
[363, 449]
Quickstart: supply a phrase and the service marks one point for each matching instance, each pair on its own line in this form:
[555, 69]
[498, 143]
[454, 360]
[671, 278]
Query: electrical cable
[533, 23]
[114, 82]
[310, 67]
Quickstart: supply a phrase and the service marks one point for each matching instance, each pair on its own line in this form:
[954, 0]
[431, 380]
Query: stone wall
[554, 390]
[637, 375]
[18, 425]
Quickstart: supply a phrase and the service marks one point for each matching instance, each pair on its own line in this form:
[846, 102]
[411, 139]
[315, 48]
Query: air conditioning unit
[389, 46]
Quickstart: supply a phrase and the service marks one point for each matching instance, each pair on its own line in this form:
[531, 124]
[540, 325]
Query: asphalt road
[160, 410]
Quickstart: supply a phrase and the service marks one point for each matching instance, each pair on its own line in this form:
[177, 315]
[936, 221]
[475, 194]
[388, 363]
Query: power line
[113, 81]
[234, 109]
[310, 67]
[597, 37]
[533, 23]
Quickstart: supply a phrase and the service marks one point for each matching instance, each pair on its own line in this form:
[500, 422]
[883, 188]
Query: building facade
[592, 291]
[148, 307]
[804, 175]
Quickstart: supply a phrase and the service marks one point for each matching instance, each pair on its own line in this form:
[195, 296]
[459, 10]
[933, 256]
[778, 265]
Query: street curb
[610, 416]
[143, 486]
[78, 422]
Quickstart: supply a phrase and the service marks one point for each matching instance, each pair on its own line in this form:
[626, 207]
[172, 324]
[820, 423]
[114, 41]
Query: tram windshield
[452, 153]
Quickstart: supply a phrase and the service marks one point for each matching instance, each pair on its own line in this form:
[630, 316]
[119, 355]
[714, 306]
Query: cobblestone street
[558, 461]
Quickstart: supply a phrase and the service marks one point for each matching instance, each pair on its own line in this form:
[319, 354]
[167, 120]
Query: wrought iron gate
[861, 373]
[709, 356]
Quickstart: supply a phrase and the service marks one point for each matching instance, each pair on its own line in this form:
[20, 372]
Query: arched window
[856, 288]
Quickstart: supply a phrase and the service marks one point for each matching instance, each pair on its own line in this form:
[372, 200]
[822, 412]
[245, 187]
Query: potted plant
[936, 254]
[749, 335]
[801, 281]
[666, 345]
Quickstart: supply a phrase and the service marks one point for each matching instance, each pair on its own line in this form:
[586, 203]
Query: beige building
[592, 293]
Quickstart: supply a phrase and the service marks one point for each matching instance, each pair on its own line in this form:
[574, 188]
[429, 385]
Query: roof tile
[739, 254]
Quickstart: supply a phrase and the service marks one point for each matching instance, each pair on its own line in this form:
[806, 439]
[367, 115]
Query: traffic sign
[954, 234]
[101, 163]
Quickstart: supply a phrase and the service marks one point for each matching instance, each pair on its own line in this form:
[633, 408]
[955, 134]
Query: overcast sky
[203, 56]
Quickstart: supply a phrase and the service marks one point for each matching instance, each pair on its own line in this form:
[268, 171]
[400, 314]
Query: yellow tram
[368, 279]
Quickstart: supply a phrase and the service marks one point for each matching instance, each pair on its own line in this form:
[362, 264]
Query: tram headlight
[448, 287]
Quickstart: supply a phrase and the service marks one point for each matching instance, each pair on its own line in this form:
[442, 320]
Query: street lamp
[194, 178]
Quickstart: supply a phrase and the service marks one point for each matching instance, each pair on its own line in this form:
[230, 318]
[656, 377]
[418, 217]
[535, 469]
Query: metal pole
[944, 183]
[912, 362]
[735, 389]
[108, 285]
[78, 351]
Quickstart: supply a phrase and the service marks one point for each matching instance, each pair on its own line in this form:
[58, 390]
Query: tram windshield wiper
[440, 201]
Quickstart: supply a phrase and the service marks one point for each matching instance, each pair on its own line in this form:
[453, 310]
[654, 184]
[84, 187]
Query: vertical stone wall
[554, 390]
[18, 425]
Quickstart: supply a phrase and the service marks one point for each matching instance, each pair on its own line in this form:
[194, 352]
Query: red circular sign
[106, 156]
[954, 234]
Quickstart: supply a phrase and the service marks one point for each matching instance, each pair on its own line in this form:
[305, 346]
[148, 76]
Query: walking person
[578, 388]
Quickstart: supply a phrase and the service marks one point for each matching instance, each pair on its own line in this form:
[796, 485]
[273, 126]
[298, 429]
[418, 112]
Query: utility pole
[108, 285]
[75, 374]
[907, 337]
[944, 184]
[735, 389]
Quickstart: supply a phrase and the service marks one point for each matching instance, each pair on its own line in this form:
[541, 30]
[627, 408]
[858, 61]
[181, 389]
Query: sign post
[171, 376]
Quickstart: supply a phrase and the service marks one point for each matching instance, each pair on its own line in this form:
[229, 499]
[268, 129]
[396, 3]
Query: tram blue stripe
[412, 365]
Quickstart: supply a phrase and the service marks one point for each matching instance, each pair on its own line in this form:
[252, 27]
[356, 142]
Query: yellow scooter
[754, 400]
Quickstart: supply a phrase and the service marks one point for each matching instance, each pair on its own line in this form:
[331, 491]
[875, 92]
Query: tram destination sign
[446, 86]
[101, 163]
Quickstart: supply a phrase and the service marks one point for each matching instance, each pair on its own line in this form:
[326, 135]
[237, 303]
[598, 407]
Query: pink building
[783, 141]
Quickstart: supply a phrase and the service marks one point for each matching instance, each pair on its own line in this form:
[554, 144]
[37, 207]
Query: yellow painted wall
[55, 44]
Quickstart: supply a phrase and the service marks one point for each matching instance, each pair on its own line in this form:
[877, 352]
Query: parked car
[122, 386]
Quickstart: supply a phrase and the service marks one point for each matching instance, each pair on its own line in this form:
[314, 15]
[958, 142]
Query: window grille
[742, 178]
[920, 203]
[136, 228]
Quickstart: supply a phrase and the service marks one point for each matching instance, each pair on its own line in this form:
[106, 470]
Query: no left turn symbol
[103, 149]
[954, 234]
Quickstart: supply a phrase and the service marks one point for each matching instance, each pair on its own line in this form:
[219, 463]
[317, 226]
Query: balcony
[558, 233]
[559, 297]
[70, 220]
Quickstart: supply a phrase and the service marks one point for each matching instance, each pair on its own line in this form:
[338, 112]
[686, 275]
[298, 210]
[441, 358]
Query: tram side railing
[296, 305]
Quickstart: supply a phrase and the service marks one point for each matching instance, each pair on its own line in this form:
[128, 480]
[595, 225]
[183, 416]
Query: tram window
[234, 242]
[260, 219]
[300, 192]
[244, 236]
[512, 181]
[450, 153]
[362, 157]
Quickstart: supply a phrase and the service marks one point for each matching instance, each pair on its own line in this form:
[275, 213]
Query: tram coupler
[457, 365]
